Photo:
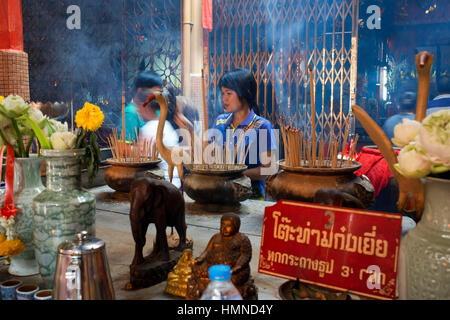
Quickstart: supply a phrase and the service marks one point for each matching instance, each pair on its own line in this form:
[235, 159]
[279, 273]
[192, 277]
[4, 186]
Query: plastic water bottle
[220, 287]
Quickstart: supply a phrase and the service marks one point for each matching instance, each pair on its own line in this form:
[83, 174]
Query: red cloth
[11, 34]
[207, 19]
[8, 209]
[374, 167]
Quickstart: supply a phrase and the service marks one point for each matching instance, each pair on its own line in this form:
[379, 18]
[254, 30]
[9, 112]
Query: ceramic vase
[61, 210]
[424, 261]
[27, 185]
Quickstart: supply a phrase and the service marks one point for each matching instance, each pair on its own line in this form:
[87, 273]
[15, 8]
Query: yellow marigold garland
[1, 99]
[11, 247]
[90, 117]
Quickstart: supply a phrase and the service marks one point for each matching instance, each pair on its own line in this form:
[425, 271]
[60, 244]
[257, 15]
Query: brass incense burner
[120, 175]
[131, 160]
[217, 187]
[302, 183]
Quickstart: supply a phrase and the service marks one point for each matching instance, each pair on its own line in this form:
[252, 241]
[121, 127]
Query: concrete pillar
[196, 93]
[197, 38]
[187, 26]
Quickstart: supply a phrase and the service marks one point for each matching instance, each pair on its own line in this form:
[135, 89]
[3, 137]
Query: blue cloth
[251, 126]
[392, 121]
[132, 120]
[438, 104]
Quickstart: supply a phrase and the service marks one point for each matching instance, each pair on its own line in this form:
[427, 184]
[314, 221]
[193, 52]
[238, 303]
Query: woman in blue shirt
[238, 92]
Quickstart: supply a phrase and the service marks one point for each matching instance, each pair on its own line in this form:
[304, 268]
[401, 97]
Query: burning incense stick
[353, 148]
[140, 151]
[313, 113]
[205, 109]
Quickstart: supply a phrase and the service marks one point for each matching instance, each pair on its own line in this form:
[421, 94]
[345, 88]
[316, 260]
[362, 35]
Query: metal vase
[82, 270]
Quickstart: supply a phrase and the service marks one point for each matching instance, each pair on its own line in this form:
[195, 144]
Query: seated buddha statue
[178, 278]
[229, 247]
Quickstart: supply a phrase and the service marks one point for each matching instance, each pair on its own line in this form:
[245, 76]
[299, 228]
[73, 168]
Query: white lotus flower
[59, 126]
[434, 137]
[15, 105]
[37, 116]
[56, 126]
[63, 140]
[405, 132]
[413, 162]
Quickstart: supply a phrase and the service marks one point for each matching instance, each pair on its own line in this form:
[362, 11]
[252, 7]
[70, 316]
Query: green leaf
[30, 142]
[19, 139]
[50, 128]
[80, 138]
[43, 141]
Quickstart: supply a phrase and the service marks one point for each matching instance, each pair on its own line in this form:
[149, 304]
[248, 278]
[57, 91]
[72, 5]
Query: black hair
[243, 83]
[147, 79]
[170, 93]
[443, 84]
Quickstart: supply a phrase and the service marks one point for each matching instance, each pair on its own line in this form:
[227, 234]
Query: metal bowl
[217, 169]
[323, 170]
[286, 292]
[120, 175]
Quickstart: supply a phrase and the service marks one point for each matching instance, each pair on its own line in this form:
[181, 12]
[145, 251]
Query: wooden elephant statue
[161, 203]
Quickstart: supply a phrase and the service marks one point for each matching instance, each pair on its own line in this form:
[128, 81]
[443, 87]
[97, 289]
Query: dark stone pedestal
[152, 272]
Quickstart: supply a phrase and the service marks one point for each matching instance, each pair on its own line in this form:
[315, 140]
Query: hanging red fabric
[374, 167]
[8, 209]
[207, 17]
[11, 25]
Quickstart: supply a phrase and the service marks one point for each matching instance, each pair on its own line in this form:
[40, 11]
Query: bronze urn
[302, 183]
[217, 188]
[120, 175]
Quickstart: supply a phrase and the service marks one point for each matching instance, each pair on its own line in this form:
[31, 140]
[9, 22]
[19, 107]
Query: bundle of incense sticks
[302, 151]
[221, 157]
[142, 150]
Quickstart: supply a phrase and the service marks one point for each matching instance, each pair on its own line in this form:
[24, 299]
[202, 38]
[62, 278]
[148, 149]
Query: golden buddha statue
[178, 278]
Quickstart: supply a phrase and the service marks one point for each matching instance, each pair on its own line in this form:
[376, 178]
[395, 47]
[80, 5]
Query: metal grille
[277, 40]
[153, 39]
[99, 62]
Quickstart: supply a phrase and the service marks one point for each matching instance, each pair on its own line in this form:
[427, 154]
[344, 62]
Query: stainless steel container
[82, 270]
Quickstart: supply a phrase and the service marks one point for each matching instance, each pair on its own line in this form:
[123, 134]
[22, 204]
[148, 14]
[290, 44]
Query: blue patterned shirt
[252, 128]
